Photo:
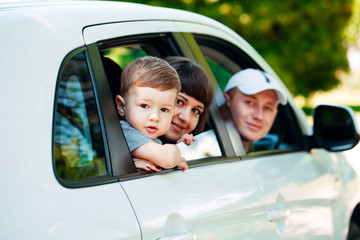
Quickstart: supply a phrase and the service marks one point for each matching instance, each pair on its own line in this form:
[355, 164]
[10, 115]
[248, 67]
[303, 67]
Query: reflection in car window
[78, 143]
[206, 145]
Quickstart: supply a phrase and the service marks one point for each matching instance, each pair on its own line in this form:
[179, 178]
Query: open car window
[225, 59]
[116, 54]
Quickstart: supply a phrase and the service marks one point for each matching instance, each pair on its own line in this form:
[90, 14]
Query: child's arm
[165, 156]
[186, 138]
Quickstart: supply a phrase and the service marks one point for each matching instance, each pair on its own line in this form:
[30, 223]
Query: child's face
[150, 110]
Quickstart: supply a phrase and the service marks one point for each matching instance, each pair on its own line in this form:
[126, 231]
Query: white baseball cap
[251, 81]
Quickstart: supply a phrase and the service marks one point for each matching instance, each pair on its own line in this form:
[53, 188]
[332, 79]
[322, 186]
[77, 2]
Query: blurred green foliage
[301, 40]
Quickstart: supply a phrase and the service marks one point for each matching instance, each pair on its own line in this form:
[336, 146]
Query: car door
[301, 186]
[218, 197]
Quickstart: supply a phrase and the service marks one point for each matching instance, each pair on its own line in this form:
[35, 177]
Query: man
[253, 97]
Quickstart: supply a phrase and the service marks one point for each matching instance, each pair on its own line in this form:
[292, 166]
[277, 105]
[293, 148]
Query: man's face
[252, 114]
[150, 110]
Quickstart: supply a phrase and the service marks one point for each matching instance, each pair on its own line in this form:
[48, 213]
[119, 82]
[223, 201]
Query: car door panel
[301, 187]
[218, 201]
[300, 190]
[105, 210]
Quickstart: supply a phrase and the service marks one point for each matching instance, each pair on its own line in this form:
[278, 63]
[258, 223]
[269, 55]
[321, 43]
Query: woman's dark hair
[195, 83]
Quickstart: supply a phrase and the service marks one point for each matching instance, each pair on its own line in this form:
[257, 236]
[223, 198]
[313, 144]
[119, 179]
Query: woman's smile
[177, 127]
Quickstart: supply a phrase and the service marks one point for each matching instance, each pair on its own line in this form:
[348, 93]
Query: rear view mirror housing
[335, 128]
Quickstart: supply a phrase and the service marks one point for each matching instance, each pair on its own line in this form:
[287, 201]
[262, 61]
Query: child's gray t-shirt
[134, 137]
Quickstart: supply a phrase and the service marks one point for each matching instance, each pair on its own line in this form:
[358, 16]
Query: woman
[192, 106]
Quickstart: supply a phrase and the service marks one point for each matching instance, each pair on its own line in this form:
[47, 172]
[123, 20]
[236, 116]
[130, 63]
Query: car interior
[113, 75]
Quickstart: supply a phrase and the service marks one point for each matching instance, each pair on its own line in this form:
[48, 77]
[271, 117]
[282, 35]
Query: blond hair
[149, 72]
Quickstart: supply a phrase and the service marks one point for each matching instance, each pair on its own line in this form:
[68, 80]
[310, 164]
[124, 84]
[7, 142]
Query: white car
[66, 171]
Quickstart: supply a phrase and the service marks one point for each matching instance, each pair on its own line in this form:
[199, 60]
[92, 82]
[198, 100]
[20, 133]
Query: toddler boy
[149, 89]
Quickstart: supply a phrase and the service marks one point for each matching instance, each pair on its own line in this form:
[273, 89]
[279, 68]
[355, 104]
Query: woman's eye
[179, 102]
[144, 106]
[196, 111]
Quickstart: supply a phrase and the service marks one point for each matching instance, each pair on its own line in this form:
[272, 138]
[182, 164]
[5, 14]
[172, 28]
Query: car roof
[41, 33]
[86, 13]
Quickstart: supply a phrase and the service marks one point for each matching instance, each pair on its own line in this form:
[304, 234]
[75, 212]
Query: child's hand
[187, 139]
[183, 164]
[146, 165]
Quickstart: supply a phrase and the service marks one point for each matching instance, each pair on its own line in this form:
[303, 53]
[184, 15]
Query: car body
[66, 171]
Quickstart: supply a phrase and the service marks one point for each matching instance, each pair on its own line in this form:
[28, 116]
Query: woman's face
[186, 116]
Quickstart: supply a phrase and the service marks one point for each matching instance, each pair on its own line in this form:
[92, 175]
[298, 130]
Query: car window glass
[78, 143]
[224, 60]
[123, 55]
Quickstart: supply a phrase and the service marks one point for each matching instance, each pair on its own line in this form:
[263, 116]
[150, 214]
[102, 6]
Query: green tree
[301, 40]
[353, 28]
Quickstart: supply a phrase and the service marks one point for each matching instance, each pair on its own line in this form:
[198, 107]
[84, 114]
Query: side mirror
[335, 128]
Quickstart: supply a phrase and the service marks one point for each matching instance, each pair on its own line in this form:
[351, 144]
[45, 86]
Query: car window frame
[176, 45]
[120, 164]
[121, 161]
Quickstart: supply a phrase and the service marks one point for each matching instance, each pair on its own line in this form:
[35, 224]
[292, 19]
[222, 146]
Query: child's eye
[144, 106]
[165, 110]
[179, 102]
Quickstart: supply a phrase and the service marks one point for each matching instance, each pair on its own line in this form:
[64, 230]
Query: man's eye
[179, 102]
[144, 106]
[269, 108]
[248, 102]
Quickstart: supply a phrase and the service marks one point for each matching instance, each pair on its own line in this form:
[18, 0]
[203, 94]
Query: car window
[78, 143]
[126, 51]
[123, 55]
[225, 59]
